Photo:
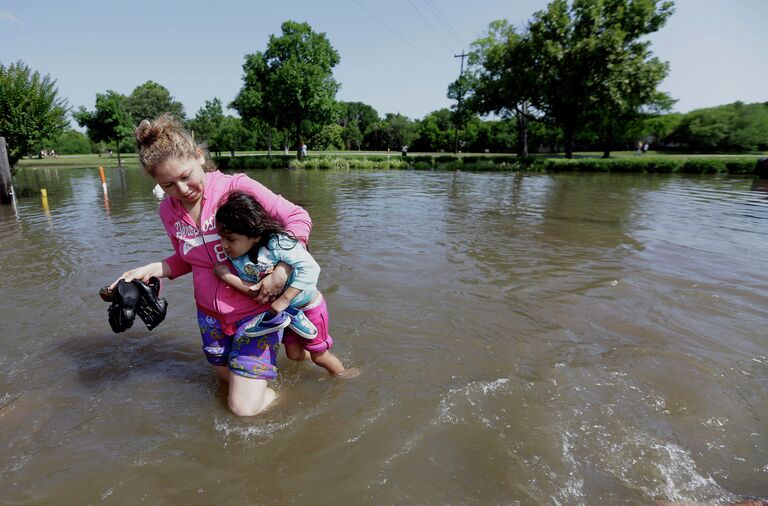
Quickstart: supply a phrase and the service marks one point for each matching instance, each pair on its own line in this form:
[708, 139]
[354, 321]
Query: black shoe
[122, 311]
[151, 307]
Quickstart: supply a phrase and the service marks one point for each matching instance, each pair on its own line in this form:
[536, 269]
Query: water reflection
[580, 339]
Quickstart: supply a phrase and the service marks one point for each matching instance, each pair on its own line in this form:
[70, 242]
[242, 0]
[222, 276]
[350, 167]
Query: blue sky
[397, 56]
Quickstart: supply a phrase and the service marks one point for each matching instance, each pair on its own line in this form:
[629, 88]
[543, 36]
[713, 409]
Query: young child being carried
[255, 244]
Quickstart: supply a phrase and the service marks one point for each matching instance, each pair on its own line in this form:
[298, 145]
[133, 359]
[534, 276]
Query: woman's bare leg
[248, 396]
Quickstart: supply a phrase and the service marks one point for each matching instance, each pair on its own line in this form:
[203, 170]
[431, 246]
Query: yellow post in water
[44, 195]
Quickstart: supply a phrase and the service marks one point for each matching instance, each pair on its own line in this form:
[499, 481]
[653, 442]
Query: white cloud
[7, 16]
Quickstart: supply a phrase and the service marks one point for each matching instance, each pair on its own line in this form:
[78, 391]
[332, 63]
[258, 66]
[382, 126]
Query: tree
[110, 120]
[397, 131]
[355, 118]
[500, 78]
[589, 65]
[730, 127]
[207, 120]
[30, 109]
[150, 100]
[71, 142]
[435, 131]
[629, 75]
[291, 82]
[329, 138]
[230, 136]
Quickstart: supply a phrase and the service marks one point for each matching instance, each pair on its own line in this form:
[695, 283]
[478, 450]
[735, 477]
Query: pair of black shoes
[129, 299]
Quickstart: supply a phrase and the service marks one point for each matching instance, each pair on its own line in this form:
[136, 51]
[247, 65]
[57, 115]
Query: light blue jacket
[305, 270]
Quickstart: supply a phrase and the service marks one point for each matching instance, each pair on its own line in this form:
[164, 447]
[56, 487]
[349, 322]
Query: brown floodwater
[523, 339]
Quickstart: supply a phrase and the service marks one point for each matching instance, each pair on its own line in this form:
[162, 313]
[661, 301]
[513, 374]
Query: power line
[424, 54]
[444, 20]
[431, 26]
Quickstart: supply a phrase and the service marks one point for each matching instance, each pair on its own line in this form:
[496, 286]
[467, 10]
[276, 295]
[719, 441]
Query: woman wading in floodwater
[195, 190]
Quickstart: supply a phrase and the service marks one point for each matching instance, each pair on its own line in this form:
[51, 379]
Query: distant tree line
[578, 76]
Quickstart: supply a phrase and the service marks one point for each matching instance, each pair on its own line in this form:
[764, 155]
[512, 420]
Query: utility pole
[458, 107]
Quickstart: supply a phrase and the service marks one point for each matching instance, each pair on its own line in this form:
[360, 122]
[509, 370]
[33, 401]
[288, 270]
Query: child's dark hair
[242, 214]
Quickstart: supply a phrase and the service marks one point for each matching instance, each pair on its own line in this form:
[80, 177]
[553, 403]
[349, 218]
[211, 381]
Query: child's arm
[305, 272]
[285, 299]
[223, 273]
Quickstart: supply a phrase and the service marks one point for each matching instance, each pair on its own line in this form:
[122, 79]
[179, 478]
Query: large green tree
[629, 74]
[729, 127]
[590, 65]
[291, 82]
[30, 109]
[500, 78]
[71, 142]
[231, 135]
[207, 121]
[435, 132]
[355, 118]
[150, 100]
[393, 132]
[109, 121]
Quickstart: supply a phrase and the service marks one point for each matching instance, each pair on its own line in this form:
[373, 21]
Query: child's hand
[221, 270]
[279, 305]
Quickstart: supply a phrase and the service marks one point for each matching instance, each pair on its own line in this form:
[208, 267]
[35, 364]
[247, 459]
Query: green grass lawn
[130, 160]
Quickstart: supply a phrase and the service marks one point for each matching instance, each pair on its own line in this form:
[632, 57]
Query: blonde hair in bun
[165, 138]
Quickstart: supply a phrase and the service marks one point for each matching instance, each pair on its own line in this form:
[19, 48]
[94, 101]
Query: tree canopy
[150, 100]
[207, 121]
[30, 109]
[730, 127]
[291, 82]
[109, 121]
[582, 64]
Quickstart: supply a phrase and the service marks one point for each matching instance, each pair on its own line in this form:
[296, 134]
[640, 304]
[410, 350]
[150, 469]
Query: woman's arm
[271, 286]
[294, 218]
[155, 269]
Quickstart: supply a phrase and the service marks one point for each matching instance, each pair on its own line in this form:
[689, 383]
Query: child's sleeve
[306, 272]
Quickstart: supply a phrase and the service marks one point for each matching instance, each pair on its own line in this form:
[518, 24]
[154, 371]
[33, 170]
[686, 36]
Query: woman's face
[182, 178]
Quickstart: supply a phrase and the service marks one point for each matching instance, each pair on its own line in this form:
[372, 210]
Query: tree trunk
[119, 162]
[298, 138]
[568, 132]
[522, 132]
[608, 141]
[269, 142]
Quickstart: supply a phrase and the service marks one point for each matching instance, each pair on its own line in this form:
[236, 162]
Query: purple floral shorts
[252, 357]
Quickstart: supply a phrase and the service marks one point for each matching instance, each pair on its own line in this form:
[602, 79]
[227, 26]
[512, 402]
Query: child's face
[236, 245]
[183, 179]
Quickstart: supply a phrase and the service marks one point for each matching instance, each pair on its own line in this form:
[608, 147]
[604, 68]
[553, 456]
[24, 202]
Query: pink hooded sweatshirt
[199, 249]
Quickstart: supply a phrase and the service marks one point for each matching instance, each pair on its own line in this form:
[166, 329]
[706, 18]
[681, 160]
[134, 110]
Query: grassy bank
[657, 164]
[582, 162]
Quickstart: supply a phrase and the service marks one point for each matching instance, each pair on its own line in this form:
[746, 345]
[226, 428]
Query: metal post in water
[6, 189]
